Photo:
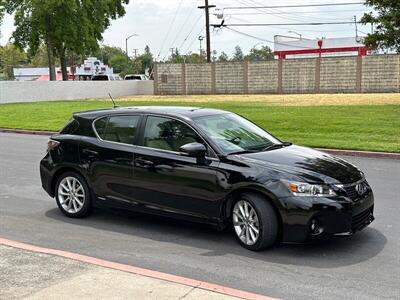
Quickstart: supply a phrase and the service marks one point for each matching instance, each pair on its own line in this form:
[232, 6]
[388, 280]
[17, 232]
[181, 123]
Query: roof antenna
[114, 105]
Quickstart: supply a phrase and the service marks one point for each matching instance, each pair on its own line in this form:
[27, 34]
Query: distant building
[286, 47]
[90, 67]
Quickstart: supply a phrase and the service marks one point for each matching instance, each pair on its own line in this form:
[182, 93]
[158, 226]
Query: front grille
[351, 190]
[363, 219]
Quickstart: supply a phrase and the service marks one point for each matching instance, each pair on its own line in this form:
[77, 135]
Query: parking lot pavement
[364, 266]
[31, 275]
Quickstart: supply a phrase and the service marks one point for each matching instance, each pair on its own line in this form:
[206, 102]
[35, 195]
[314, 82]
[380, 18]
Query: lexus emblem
[361, 188]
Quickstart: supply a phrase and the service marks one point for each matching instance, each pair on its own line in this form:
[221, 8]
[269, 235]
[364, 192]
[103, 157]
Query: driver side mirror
[196, 150]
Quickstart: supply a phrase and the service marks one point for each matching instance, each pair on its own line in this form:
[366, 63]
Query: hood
[310, 164]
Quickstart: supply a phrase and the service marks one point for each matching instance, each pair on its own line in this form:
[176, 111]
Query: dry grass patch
[278, 100]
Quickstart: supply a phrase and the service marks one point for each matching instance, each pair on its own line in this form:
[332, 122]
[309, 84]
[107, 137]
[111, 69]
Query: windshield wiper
[276, 146]
[242, 152]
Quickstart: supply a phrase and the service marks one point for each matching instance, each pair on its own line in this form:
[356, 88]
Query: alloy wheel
[245, 222]
[71, 194]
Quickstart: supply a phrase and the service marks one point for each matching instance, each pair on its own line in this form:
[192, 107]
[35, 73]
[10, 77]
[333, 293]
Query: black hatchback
[204, 165]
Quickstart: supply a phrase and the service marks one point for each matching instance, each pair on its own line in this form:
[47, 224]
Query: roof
[175, 111]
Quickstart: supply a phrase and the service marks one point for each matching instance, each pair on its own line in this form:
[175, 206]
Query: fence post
[245, 76]
[280, 76]
[183, 79]
[317, 84]
[213, 88]
[155, 77]
[359, 74]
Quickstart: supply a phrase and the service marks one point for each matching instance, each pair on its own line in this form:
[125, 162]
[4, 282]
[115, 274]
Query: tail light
[52, 144]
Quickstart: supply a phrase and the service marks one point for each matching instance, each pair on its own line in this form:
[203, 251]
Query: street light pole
[126, 43]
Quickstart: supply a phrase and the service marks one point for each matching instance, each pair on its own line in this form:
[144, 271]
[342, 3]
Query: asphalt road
[365, 266]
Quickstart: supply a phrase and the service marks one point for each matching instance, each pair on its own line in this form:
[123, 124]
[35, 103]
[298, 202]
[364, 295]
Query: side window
[168, 134]
[121, 129]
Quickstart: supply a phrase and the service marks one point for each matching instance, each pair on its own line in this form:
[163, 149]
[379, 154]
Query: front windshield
[235, 134]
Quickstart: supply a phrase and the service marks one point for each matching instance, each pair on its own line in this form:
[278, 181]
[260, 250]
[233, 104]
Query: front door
[170, 181]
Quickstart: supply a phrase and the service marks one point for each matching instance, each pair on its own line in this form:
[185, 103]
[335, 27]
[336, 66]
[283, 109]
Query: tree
[10, 57]
[238, 55]
[106, 53]
[264, 53]
[223, 57]
[386, 21]
[73, 27]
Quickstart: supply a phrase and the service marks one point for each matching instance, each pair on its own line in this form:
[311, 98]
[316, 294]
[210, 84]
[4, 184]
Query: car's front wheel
[254, 222]
[73, 195]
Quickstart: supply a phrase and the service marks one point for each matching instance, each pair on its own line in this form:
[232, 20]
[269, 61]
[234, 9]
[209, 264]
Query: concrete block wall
[198, 79]
[380, 73]
[298, 76]
[338, 75]
[229, 78]
[263, 77]
[173, 75]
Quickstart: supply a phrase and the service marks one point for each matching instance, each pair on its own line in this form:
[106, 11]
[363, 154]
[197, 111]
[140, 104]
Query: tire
[261, 216]
[81, 204]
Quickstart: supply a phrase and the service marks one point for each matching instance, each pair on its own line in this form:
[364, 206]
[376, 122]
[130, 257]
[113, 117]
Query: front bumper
[317, 217]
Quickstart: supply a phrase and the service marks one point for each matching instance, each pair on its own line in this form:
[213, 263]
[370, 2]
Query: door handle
[144, 163]
[89, 152]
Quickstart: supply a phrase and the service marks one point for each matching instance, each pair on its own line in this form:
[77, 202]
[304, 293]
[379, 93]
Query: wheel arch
[233, 196]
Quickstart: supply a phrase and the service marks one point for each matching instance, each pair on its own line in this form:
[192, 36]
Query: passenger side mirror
[194, 150]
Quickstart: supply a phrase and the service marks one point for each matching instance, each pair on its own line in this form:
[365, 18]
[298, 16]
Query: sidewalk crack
[189, 291]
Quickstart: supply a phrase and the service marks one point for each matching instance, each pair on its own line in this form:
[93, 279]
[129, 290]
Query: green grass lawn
[360, 127]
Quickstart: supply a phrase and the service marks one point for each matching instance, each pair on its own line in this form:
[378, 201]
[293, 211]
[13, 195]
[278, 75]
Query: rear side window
[70, 127]
[120, 129]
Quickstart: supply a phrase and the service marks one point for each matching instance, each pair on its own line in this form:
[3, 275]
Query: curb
[356, 153]
[23, 131]
[139, 271]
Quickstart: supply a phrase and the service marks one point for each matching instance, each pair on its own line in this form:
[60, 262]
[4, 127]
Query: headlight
[307, 189]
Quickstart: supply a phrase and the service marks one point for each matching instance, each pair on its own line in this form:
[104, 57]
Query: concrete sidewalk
[31, 275]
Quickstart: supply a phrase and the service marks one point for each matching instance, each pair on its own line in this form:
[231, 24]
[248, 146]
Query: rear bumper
[46, 175]
[321, 217]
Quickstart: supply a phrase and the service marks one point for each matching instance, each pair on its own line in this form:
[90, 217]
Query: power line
[296, 6]
[169, 29]
[282, 24]
[191, 30]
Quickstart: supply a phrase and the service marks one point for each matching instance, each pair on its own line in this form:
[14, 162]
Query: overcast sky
[164, 24]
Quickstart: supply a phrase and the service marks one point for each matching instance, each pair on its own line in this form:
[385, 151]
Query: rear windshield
[70, 127]
[100, 77]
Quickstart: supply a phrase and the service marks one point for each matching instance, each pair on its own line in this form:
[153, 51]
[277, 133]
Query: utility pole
[206, 8]
[172, 51]
[135, 51]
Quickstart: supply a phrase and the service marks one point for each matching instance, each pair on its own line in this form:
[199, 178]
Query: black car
[204, 165]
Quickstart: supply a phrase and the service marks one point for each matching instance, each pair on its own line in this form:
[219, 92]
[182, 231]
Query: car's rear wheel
[73, 195]
[254, 222]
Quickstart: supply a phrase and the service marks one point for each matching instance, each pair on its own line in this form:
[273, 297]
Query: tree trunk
[50, 51]
[63, 63]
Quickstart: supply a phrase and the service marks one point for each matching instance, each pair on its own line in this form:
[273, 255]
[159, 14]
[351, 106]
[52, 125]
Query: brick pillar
[280, 76]
[213, 89]
[183, 79]
[155, 75]
[317, 84]
[359, 74]
[246, 77]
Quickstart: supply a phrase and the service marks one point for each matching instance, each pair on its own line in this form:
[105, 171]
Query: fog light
[316, 227]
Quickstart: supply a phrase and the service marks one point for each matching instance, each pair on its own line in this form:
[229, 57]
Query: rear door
[109, 157]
